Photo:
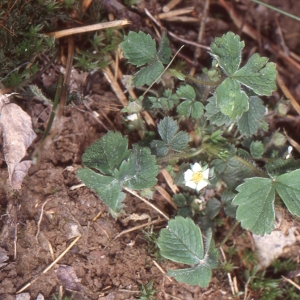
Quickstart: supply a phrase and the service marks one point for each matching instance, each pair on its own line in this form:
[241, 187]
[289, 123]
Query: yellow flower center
[197, 177]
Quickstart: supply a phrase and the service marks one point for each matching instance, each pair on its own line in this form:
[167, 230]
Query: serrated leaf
[164, 50]
[107, 153]
[148, 75]
[227, 50]
[258, 75]
[231, 100]
[280, 166]
[236, 171]
[182, 242]
[167, 129]
[139, 48]
[288, 188]
[199, 275]
[140, 170]
[214, 114]
[257, 149]
[159, 148]
[107, 187]
[197, 110]
[229, 208]
[186, 92]
[255, 202]
[253, 118]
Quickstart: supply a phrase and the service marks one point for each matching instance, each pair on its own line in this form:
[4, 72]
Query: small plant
[221, 99]
[147, 291]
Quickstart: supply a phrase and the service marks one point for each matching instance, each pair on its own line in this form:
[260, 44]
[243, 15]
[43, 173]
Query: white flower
[132, 117]
[196, 178]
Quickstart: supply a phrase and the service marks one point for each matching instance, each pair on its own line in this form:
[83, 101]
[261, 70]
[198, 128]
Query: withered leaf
[17, 137]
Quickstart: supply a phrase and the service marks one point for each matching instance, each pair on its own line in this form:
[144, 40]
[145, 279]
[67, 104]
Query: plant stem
[250, 166]
[228, 234]
[210, 83]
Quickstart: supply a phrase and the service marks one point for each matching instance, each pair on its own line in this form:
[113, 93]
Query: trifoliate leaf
[288, 188]
[107, 187]
[189, 108]
[231, 100]
[227, 50]
[257, 149]
[148, 75]
[139, 48]
[258, 75]
[255, 202]
[107, 153]
[253, 118]
[177, 141]
[140, 170]
[186, 92]
[164, 50]
[182, 242]
[214, 114]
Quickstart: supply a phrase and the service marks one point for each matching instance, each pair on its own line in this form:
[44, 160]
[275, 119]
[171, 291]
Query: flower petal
[188, 175]
[196, 167]
[191, 184]
[205, 174]
[202, 184]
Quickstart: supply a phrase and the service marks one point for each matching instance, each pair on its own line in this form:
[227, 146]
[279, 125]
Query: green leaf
[227, 50]
[139, 48]
[140, 171]
[280, 166]
[258, 75]
[257, 149]
[164, 50]
[107, 153]
[182, 242]
[252, 119]
[148, 75]
[288, 188]
[255, 202]
[214, 114]
[186, 92]
[231, 100]
[229, 208]
[177, 141]
[236, 170]
[107, 187]
[189, 108]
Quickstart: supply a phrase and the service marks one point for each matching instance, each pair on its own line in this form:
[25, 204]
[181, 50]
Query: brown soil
[39, 221]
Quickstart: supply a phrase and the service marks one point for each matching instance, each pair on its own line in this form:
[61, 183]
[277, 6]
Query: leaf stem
[210, 83]
[228, 234]
[250, 166]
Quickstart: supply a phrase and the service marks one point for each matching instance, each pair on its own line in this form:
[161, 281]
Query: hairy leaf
[227, 50]
[148, 75]
[257, 149]
[107, 187]
[255, 202]
[140, 171]
[107, 153]
[258, 75]
[253, 118]
[214, 114]
[288, 188]
[182, 242]
[164, 51]
[139, 48]
[231, 100]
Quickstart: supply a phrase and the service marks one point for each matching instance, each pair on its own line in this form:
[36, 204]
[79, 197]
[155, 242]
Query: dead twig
[100, 26]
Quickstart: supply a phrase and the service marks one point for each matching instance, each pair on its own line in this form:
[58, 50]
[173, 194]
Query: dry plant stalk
[100, 26]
